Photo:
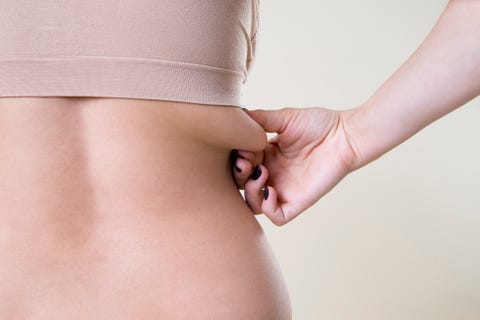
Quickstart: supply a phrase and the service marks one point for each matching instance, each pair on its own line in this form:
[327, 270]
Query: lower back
[126, 208]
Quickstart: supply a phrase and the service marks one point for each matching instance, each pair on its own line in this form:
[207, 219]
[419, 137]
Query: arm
[316, 147]
[440, 76]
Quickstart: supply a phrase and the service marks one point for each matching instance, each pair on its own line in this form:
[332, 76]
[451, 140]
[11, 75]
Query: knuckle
[279, 223]
[250, 185]
[280, 218]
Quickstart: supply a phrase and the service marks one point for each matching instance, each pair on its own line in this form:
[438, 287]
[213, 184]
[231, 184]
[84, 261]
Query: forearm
[440, 76]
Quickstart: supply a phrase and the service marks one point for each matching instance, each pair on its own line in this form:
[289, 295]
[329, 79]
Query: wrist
[359, 130]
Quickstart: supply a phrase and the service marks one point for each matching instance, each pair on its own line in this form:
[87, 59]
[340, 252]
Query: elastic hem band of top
[120, 77]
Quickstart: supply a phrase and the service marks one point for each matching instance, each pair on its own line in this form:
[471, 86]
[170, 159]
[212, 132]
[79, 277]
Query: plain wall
[399, 238]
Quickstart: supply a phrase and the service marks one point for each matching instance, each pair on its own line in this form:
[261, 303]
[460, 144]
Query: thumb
[272, 120]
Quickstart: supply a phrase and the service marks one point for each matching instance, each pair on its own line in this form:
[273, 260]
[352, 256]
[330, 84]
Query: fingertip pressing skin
[244, 154]
[241, 166]
[257, 171]
[254, 195]
[242, 171]
[271, 209]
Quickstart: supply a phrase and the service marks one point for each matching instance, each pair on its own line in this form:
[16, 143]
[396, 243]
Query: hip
[126, 213]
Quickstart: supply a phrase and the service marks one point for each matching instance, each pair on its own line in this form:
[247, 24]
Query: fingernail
[265, 192]
[236, 155]
[256, 172]
[244, 109]
[233, 160]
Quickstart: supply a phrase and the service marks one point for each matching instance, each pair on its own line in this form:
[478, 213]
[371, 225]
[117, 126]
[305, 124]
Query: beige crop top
[197, 51]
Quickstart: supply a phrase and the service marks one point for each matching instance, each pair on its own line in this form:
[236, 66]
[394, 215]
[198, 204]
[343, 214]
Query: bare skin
[126, 209]
[317, 147]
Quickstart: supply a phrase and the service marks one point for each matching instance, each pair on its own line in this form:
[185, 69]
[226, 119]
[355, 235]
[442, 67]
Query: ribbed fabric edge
[120, 78]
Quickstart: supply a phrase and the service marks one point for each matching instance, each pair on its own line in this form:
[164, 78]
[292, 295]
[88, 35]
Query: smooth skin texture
[126, 209]
[315, 148]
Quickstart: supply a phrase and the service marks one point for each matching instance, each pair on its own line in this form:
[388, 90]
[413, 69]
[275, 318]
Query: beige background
[400, 238]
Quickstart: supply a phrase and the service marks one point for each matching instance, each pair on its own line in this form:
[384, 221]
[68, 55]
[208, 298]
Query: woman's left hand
[243, 165]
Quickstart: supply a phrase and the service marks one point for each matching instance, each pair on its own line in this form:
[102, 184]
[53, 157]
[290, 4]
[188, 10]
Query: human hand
[243, 163]
[310, 154]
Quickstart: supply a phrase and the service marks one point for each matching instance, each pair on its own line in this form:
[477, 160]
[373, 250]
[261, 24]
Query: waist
[128, 205]
[64, 156]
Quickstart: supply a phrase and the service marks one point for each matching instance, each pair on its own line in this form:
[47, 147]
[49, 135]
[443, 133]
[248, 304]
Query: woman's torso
[126, 209]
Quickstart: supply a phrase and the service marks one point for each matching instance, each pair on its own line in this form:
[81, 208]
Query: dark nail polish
[233, 162]
[236, 155]
[265, 193]
[257, 172]
[233, 157]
